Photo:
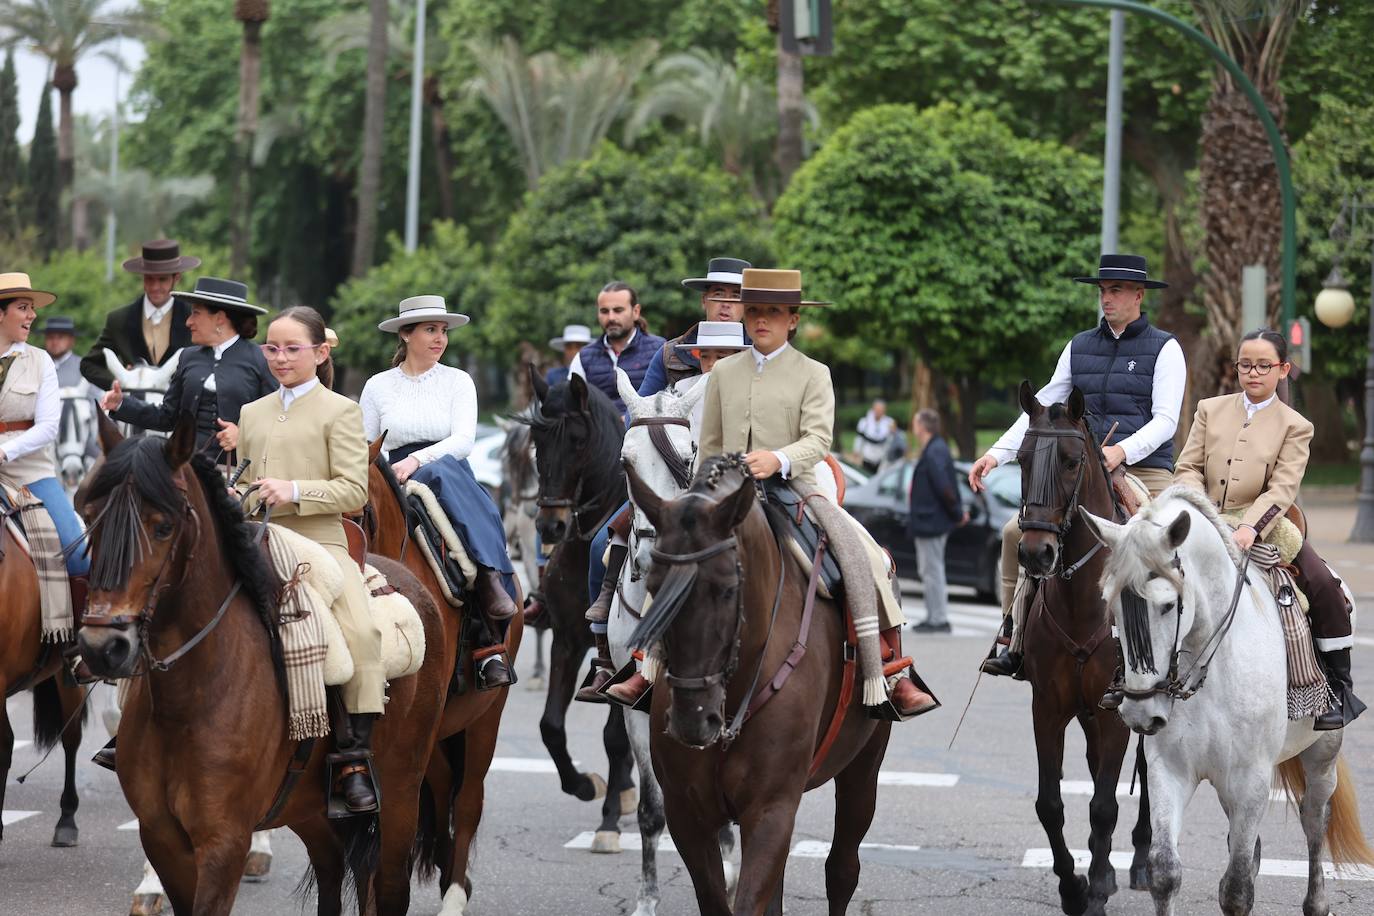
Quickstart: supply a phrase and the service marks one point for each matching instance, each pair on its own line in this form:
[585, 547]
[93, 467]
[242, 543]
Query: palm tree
[374, 122]
[64, 31]
[556, 111]
[791, 102]
[1240, 207]
[730, 114]
[252, 13]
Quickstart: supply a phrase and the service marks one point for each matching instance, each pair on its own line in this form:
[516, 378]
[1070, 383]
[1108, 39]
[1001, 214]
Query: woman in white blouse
[429, 414]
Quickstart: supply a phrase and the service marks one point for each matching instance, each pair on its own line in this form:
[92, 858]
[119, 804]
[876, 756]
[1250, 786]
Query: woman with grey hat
[429, 414]
[222, 370]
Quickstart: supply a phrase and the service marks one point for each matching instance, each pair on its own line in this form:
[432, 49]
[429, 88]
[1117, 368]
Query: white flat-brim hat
[717, 335]
[572, 334]
[419, 309]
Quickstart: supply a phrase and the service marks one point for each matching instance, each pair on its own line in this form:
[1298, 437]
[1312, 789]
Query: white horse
[640, 453]
[76, 435]
[1232, 729]
[145, 382]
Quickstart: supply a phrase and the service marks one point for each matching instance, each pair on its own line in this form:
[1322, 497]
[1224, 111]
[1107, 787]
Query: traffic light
[1300, 343]
[806, 27]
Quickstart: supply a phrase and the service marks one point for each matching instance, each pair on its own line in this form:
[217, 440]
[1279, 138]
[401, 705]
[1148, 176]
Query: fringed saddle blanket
[37, 536]
[453, 546]
[313, 645]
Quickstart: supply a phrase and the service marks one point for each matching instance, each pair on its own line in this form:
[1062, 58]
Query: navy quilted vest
[634, 359]
[1116, 376]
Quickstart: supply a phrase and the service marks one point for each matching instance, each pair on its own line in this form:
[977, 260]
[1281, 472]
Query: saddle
[437, 549]
[786, 503]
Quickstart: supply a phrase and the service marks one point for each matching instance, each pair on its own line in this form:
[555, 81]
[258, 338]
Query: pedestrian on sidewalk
[876, 430]
[935, 511]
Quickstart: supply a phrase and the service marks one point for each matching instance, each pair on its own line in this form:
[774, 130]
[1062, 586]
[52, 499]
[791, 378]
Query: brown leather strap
[15, 426]
[851, 663]
[295, 768]
[1080, 653]
[798, 652]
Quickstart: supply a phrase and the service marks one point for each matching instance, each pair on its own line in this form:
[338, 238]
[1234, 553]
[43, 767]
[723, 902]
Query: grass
[1345, 474]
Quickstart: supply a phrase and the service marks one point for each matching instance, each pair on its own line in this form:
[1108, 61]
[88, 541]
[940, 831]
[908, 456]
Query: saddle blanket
[36, 535]
[314, 647]
[452, 566]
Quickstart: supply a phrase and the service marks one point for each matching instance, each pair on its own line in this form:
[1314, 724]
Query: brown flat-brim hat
[18, 286]
[770, 287]
[161, 256]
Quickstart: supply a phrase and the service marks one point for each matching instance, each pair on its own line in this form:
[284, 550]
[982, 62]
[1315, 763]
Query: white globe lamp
[1334, 306]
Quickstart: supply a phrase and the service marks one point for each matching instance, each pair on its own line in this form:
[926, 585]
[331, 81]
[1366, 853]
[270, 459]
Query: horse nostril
[115, 653]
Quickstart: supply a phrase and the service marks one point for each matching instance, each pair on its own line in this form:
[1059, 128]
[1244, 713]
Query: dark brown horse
[27, 663]
[577, 434]
[1070, 655]
[203, 737]
[717, 556]
[458, 767]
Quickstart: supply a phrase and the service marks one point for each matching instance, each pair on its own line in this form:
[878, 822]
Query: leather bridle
[1061, 530]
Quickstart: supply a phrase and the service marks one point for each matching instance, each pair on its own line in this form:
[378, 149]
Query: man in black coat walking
[935, 511]
[151, 328]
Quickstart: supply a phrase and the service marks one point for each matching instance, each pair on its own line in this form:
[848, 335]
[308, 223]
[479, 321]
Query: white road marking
[1277, 868]
[8, 817]
[522, 765]
[804, 849]
[1085, 787]
[934, 780]
[131, 825]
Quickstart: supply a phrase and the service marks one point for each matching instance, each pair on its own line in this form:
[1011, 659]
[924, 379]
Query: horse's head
[1143, 584]
[658, 448]
[697, 564]
[577, 434]
[1058, 460]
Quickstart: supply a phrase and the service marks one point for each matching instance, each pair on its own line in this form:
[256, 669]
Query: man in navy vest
[1131, 374]
[623, 344]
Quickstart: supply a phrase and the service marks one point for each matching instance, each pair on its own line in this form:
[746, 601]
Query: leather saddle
[454, 580]
[787, 504]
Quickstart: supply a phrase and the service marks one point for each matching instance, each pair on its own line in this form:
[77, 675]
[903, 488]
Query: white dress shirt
[1251, 408]
[219, 354]
[1166, 401]
[759, 360]
[575, 367]
[289, 396]
[47, 409]
[153, 313]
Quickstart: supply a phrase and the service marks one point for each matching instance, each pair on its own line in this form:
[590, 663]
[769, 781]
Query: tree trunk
[64, 81]
[965, 425]
[241, 195]
[443, 158]
[791, 114]
[370, 169]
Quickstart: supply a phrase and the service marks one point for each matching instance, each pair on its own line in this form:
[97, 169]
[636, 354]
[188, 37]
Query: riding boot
[492, 597]
[105, 757]
[629, 691]
[535, 608]
[492, 671]
[1001, 661]
[71, 654]
[355, 783]
[909, 699]
[600, 611]
[1348, 706]
[601, 672]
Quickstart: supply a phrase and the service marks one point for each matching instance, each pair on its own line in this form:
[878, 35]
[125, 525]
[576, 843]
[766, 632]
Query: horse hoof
[607, 841]
[1140, 878]
[593, 787]
[455, 901]
[146, 905]
[535, 683]
[64, 837]
[1074, 900]
[257, 866]
[629, 802]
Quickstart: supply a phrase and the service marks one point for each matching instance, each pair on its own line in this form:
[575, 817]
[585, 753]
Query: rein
[677, 466]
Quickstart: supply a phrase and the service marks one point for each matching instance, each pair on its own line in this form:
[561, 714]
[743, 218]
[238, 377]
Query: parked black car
[973, 555]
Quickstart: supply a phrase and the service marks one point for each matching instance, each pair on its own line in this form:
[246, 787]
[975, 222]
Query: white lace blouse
[439, 406]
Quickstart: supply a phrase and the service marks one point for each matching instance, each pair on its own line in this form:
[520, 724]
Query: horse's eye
[1167, 609]
[163, 530]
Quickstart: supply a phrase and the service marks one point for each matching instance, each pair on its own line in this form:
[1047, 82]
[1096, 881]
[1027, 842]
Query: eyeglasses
[291, 351]
[1245, 367]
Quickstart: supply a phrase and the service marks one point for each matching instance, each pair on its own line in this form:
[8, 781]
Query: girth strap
[847, 679]
[798, 652]
[295, 769]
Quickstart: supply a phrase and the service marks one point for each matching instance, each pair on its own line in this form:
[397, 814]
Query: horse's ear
[374, 448]
[182, 443]
[1075, 404]
[1105, 530]
[737, 504]
[682, 407]
[643, 495]
[1177, 532]
[581, 396]
[633, 402]
[537, 382]
[110, 436]
[1026, 395]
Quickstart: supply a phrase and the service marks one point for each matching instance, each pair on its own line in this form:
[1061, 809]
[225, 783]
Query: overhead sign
[806, 27]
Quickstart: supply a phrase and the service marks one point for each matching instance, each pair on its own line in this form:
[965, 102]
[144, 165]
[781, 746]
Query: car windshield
[1004, 483]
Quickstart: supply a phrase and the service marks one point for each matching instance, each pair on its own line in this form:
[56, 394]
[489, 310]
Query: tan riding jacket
[319, 445]
[1254, 468]
[788, 407]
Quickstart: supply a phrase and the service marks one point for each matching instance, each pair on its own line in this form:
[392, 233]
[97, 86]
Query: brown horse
[472, 719]
[717, 555]
[1070, 655]
[27, 663]
[203, 749]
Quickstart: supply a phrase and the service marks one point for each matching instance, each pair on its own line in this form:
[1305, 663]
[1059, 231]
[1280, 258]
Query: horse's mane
[1199, 501]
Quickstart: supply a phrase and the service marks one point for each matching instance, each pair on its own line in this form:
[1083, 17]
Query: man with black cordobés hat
[153, 326]
[1132, 376]
[718, 289]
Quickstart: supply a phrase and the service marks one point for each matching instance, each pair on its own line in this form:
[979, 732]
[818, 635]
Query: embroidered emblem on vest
[1130, 367]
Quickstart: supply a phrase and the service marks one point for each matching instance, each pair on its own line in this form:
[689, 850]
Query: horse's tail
[361, 837]
[48, 720]
[1344, 835]
[434, 831]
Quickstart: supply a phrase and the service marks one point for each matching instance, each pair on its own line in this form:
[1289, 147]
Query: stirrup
[479, 663]
[583, 695]
[887, 711]
[344, 763]
[627, 671]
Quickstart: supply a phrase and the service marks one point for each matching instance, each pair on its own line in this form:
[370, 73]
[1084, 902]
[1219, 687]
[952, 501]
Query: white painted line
[820, 849]
[627, 841]
[899, 778]
[1085, 787]
[522, 765]
[1277, 868]
[131, 825]
[13, 817]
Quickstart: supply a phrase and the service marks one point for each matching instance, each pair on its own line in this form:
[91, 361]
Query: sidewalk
[1330, 516]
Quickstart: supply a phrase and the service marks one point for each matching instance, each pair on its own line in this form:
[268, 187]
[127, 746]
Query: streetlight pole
[417, 87]
[111, 218]
[1111, 172]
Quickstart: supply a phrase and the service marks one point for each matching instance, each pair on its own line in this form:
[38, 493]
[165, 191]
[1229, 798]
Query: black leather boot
[105, 757]
[490, 664]
[601, 672]
[1349, 706]
[600, 611]
[1001, 661]
[492, 598]
[1111, 700]
[355, 783]
[71, 654]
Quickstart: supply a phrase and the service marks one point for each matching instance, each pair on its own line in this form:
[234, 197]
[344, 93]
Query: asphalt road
[955, 832]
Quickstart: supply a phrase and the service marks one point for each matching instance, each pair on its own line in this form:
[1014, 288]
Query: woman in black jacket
[221, 371]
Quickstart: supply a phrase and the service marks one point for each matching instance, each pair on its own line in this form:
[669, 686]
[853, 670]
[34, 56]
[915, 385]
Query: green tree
[615, 216]
[251, 14]
[11, 163]
[943, 233]
[45, 190]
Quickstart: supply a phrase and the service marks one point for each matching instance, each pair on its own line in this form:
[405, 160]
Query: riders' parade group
[306, 446]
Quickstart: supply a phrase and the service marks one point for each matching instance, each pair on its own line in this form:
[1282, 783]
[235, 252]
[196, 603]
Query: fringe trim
[653, 663]
[1310, 701]
[875, 691]
[59, 635]
[313, 724]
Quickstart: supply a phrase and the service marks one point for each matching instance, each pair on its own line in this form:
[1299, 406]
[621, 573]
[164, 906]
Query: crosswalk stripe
[8, 817]
[885, 777]
[130, 825]
[1085, 787]
[1277, 868]
[803, 849]
[523, 765]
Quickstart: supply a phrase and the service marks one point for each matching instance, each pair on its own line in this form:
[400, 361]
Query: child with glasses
[1248, 452]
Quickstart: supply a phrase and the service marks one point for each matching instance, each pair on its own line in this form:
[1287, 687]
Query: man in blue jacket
[934, 512]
